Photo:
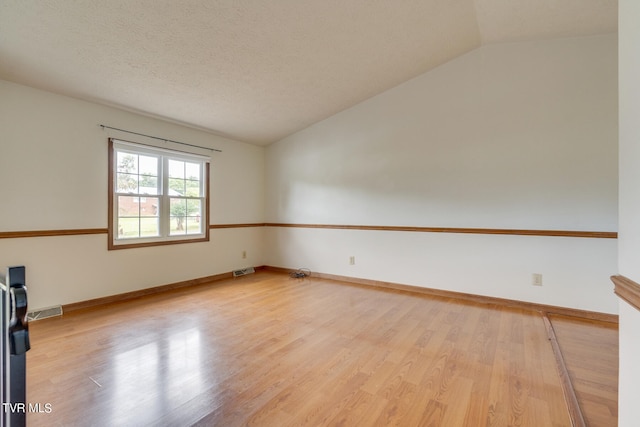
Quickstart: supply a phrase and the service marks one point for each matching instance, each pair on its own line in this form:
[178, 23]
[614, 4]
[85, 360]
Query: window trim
[160, 241]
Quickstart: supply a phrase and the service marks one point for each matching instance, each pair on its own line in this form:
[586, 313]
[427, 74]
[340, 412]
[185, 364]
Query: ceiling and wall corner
[259, 71]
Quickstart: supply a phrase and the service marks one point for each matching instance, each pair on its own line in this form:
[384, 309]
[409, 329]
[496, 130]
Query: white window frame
[163, 194]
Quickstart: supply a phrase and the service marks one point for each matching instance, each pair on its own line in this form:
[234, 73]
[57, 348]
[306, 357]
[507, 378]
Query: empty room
[320, 213]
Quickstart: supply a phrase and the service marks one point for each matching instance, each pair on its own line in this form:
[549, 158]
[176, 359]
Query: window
[156, 196]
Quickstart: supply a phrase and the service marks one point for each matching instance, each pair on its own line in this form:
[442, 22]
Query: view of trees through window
[157, 195]
[137, 177]
[184, 192]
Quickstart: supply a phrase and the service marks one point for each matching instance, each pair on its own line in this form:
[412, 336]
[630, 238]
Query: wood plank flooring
[267, 350]
[590, 351]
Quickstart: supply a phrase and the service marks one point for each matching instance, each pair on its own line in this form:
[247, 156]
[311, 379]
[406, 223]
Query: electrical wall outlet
[352, 260]
[244, 254]
[536, 279]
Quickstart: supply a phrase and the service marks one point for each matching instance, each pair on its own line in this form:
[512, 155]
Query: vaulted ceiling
[254, 70]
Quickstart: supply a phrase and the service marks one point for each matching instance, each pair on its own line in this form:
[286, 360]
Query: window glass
[146, 206]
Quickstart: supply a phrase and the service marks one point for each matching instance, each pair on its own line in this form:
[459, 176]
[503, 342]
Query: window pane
[148, 166]
[176, 187]
[192, 188]
[148, 184]
[194, 217]
[193, 207]
[192, 171]
[176, 169]
[128, 206]
[149, 227]
[194, 226]
[127, 162]
[149, 206]
[178, 225]
[156, 195]
[126, 183]
[128, 227]
[178, 216]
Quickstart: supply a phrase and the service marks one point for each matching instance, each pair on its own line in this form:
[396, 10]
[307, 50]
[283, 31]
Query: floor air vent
[44, 313]
[243, 272]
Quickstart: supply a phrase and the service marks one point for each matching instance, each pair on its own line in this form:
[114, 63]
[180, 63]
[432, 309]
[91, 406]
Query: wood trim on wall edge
[51, 233]
[627, 290]
[489, 231]
[247, 225]
[514, 232]
[87, 231]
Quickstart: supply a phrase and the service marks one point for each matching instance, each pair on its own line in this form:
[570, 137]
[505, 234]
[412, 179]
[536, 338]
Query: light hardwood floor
[267, 350]
[590, 351]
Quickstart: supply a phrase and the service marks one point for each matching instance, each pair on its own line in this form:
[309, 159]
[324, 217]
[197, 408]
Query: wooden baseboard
[543, 308]
[584, 314]
[92, 303]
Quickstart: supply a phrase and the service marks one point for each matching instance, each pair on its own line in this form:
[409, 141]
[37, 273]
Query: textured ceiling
[255, 70]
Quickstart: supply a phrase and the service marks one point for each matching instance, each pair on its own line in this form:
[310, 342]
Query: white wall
[53, 176]
[519, 135]
[629, 240]
[629, 140]
[498, 266]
